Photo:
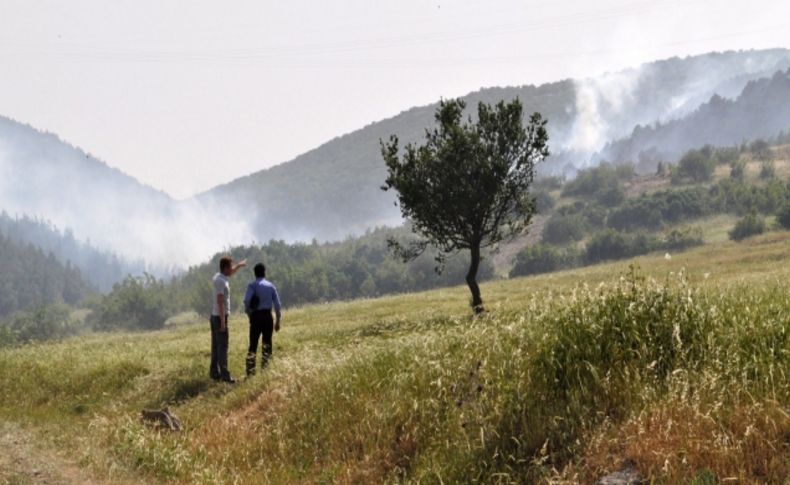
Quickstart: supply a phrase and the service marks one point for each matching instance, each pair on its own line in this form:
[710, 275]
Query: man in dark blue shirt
[260, 299]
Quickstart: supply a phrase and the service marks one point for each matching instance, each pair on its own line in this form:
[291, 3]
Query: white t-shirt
[221, 286]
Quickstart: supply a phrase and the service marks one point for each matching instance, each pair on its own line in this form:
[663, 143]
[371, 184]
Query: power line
[440, 62]
[90, 52]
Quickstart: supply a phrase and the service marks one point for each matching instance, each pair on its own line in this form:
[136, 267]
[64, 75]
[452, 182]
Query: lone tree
[467, 186]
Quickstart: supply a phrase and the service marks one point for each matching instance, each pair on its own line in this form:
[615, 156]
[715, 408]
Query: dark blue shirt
[267, 295]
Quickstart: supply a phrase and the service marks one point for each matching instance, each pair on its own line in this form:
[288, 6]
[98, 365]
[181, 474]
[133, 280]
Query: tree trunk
[471, 280]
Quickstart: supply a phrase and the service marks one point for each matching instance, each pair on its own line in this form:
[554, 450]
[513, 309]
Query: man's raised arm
[238, 266]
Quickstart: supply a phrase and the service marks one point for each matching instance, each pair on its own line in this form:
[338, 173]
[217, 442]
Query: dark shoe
[215, 378]
[250, 365]
[229, 380]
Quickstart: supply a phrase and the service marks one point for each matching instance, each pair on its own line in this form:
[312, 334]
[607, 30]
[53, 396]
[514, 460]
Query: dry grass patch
[677, 441]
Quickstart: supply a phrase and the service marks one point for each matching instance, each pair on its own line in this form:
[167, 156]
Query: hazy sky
[184, 95]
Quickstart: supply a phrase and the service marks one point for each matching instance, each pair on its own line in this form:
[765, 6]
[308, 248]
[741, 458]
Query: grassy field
[678, 365]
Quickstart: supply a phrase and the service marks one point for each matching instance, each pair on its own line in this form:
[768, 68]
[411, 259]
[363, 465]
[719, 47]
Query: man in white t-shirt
[220, 312]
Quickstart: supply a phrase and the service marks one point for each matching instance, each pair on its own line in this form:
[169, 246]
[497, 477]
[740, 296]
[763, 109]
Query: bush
[544, 202]
[651, 210]
[783, 216]
[767, 170]
[695, 165]
[738, 170]
[605, 245]
[750, 225]
[729, 196]
[611, 244]
[563, 229]
[48, 322]
[542, 258]
[761, 150]
[134, 304]
[679, 239]
[610, 196]
[591, 181]
[727, 156]
[594, 216]
[625, 171]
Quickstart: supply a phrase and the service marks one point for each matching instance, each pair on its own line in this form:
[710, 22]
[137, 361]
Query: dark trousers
[219, 350]
[261, 325]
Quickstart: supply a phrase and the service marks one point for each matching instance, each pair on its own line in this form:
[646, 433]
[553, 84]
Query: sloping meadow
[557, 383]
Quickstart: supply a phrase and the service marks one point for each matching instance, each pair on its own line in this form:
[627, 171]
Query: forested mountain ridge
[31, 278]
[100, 268]
[333, 190]
[761, 110]
[46, 158]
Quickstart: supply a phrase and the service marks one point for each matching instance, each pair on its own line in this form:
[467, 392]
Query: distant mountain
[100, 268]
[35, 163]
[43, 177]
[333, 190]
[762, 110]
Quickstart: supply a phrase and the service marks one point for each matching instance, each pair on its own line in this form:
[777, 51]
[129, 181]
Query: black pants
[219, 350]
[261, 325]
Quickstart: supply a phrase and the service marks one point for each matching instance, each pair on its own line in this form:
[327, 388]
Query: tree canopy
[466, 187]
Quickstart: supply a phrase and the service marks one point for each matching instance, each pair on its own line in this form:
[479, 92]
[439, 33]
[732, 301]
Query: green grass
[681, 366]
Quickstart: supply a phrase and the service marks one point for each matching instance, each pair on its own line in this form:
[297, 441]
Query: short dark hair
[260, 270]
[224, 262]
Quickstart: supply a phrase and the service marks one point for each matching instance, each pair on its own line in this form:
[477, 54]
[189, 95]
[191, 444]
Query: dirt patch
[23, 460]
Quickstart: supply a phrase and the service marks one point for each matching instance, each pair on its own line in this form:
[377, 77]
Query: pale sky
[185, 95]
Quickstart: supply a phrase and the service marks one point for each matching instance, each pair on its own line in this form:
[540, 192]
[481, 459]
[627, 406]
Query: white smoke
[188, 235]
[40, 176]
[610, 106]
[599, 101]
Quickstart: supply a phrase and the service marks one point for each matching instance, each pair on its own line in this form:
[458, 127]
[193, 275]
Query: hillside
[333, 190]
[43, 177]
[31, 278]
[571, 376]
[100, 268]
[52, 163]
[761, 110]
